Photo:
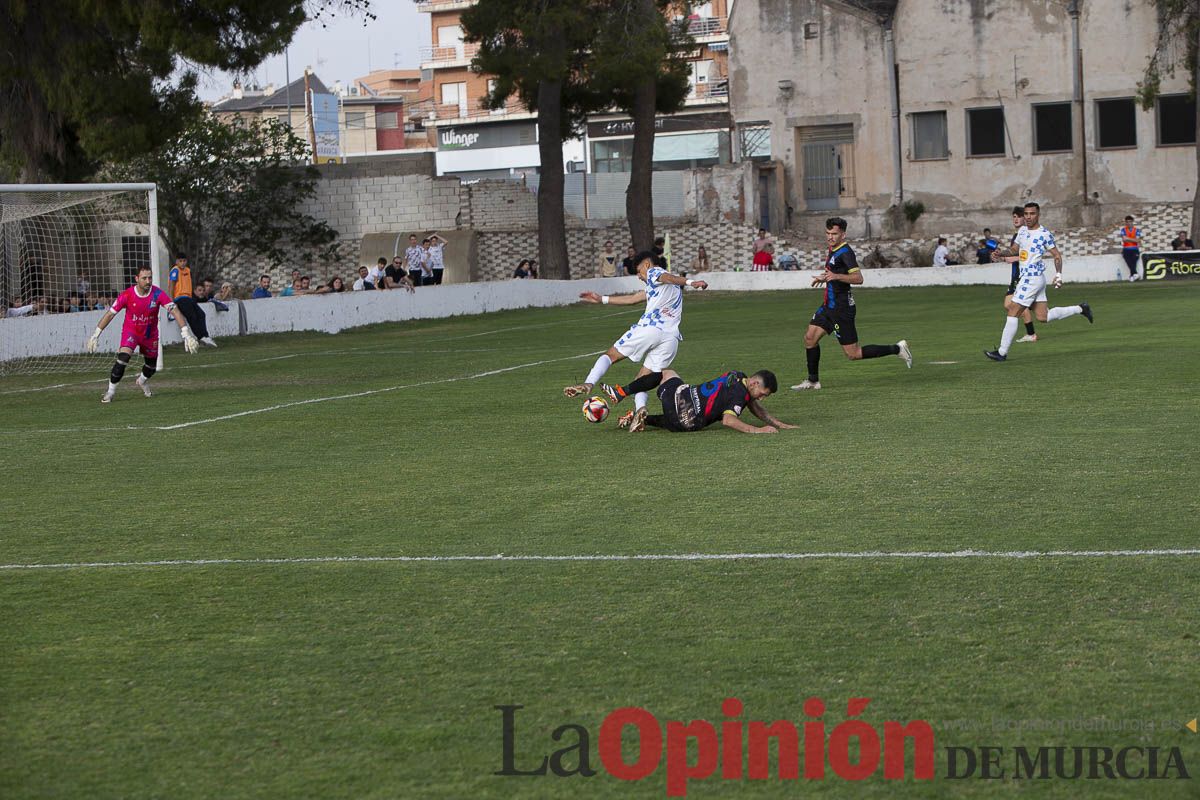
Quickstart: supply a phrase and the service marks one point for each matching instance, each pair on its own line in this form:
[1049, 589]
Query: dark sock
[118, 368]
[880, 350]
[655, 421]
[148, 370]
[813, 354]
[1029, 327]
[645, 383]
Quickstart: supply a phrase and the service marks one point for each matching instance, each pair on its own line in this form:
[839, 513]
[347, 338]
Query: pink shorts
[147, 344]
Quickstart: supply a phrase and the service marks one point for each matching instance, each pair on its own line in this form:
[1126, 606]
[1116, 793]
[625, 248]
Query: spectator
[533, 268]
[207, 286]
[74, 304]
[379, 273]
[413, 256]
[630, 262]
[264, 287]
[83, 286]
[293, 290]
[437, 257]
[92, 303]
[522, 270]
[226, 293]
[788, 262]
[395, 276]
[181, 290]
[660, 248]
[426, 263]
[335, 285]
[364, 282]
[941, 254]
[700, 262]
[18, 309]
[1182, 242]
[607, 267]
[762, 240]
[295, 276]
[984, 254]
[306, 285]
[764, 259]
[992, 244]
[1131, 242]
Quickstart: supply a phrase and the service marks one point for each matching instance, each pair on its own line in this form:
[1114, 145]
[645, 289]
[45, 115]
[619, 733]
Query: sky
[343, 50]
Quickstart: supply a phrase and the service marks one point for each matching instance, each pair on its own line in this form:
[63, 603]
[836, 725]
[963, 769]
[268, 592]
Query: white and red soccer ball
[595, 409]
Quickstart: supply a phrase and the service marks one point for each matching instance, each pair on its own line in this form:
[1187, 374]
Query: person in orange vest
[179, 288]
[1131, 242]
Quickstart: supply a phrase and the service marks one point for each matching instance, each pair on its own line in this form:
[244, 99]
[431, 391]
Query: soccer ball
[595, 409]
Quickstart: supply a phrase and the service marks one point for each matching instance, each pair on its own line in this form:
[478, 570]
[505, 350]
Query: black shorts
[839, 322]
[1012, 287]
[677, 411]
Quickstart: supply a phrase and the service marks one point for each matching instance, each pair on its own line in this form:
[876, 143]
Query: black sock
[880, 350]
[148, 370]
[118, 368]
[1029, 327]
[813, 354]
[643, 384]
[655, 421]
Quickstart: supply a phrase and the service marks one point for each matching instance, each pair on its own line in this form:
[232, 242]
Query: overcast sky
[344, 50]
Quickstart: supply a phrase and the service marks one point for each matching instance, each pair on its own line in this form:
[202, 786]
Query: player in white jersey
[653, 340]
[1033, 243]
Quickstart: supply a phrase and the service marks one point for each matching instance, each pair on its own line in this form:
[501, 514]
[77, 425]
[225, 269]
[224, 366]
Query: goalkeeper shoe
[207, 341]
[108, 396]
[144, 386]
[1087, 312]
[905, 353]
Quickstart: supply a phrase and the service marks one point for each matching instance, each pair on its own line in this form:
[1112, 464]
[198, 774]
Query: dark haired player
[1033, 242]
[1012, 255]
[693, 408]
[652, 340]
[836, 314]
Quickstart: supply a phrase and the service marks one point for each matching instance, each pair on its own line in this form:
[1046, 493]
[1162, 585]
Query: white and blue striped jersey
[1032, 246]
[664, 304]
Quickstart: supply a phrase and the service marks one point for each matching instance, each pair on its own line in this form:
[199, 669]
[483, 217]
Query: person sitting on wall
[364, 282]
[264, 287]
[1182, 242]
[522, 270]
[941, 254]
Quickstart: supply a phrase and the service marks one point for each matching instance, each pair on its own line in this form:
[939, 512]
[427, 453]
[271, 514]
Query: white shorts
[655, 348]
[1030, 289]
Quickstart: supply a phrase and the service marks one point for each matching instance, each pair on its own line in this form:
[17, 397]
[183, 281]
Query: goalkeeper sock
[1063, 311]
[598, 369]
[148, 371]
[118, 370]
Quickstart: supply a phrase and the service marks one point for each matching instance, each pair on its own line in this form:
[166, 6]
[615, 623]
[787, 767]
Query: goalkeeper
[139, 330]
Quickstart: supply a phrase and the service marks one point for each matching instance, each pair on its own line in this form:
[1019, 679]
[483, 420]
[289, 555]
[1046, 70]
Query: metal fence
[601, 195]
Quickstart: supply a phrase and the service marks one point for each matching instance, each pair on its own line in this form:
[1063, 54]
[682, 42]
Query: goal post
[66, 252]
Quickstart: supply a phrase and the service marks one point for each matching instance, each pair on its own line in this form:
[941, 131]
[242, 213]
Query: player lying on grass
[653, 339]
[139, 330]
[693, 408]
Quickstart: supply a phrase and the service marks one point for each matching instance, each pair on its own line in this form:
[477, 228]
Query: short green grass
[379, 679]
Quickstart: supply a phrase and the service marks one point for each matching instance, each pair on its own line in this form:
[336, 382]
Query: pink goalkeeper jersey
[141, 313]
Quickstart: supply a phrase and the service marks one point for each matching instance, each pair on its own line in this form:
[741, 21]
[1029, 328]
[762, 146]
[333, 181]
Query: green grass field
[360, 679]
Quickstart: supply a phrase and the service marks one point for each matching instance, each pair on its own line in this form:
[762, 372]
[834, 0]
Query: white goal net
[66, 252]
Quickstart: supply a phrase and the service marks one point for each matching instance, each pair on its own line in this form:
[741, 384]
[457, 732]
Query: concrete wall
[58, 334]
[952, 56]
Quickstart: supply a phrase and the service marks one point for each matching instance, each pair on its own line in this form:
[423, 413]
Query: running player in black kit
[693, 408]
[836, 314]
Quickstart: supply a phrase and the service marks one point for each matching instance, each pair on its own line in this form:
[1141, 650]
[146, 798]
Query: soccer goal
[66, 252]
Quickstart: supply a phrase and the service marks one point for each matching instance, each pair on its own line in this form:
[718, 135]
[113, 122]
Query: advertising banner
[1170, 266]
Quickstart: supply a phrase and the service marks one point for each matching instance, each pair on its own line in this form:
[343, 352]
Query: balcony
[452, 112]
[450, 55]
[430, 6]
[709, 93]
[708, 28]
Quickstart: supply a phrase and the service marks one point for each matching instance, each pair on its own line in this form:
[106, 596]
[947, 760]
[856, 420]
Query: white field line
[831, 556]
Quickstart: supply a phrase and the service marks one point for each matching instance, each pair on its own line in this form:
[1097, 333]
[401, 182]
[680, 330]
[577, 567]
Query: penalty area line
[501, 557]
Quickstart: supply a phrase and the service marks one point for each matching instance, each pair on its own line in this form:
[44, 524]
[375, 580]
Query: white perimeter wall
[58, 334]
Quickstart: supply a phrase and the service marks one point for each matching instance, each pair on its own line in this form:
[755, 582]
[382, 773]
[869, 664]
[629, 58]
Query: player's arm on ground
[730, 420]
[758, 410]
[616, 299]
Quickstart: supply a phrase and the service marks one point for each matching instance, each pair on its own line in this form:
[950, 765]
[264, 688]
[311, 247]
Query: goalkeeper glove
[190, 343]
[94, 342]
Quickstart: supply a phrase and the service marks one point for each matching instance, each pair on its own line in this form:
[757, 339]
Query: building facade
[960, 106]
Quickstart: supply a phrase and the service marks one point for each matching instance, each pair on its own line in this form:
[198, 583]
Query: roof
[278, 99]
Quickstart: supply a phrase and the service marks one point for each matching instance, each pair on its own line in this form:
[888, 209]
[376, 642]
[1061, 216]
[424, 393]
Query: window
[754, 142]
[1052, 128]
[1116, 123]
[449, 35]
[985, 132]
[929, 136]
[388, 120]
[356, 120]
[811, 30]
[454, 94]
[1176, 120]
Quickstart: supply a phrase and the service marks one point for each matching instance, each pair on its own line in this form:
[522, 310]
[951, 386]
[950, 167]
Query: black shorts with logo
[839, 322]
[677, 410]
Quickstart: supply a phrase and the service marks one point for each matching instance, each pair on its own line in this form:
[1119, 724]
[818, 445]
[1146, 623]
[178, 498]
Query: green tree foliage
[1178, 47]
[83, 82]
[538, 52]
[228, 192]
